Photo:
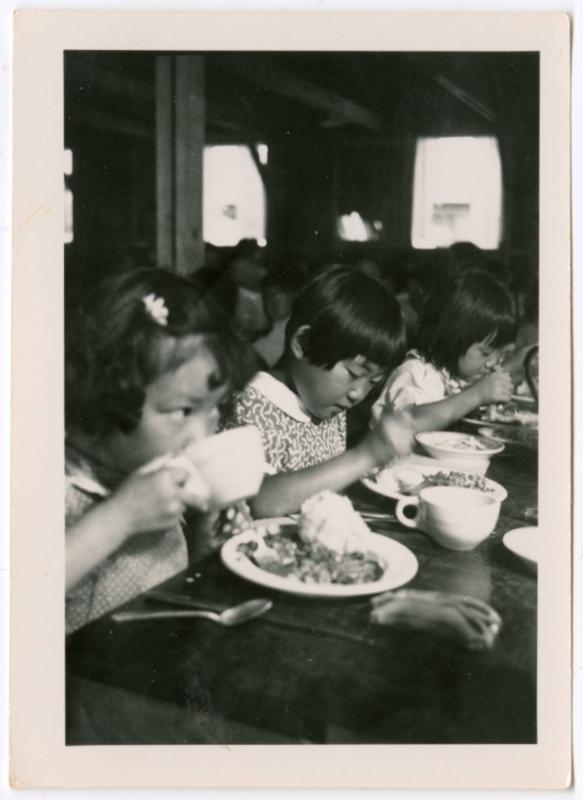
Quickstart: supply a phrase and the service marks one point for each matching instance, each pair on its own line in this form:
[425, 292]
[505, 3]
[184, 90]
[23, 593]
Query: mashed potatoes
[330, 520]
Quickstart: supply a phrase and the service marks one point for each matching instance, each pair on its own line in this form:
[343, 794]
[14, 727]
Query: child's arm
[142, 504]
[496, 387]
[285, 492]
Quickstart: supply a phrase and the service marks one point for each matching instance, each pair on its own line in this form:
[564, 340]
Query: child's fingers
[479, 605]
[435, 618]
[178, 475]
[405, 418]
[195, 498]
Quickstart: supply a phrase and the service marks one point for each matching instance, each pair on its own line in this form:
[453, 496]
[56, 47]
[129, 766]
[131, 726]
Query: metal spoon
[236, 615]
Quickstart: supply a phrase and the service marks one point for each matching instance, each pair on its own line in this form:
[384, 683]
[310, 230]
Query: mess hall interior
[248, 172]
[320, 157]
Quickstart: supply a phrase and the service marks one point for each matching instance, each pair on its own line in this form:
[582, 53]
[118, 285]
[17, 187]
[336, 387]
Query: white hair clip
[156, 308]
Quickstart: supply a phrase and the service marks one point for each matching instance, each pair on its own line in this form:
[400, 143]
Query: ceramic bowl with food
[462, 450]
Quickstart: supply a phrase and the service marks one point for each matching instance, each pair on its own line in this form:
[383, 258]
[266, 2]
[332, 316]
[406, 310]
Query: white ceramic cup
[452, 516]
[231, 463]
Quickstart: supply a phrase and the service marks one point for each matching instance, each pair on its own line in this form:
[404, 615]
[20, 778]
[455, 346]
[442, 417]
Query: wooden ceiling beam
[113, 82]
[294, 88]
[456, 91]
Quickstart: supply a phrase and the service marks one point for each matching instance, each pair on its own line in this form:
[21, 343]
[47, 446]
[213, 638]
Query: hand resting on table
[466, 620]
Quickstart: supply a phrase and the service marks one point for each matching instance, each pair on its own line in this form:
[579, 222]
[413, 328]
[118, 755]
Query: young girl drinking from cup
[344, 334]
[146, 371]
[454, 368]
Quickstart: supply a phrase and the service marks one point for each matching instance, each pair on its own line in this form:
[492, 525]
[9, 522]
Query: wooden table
[316, 671]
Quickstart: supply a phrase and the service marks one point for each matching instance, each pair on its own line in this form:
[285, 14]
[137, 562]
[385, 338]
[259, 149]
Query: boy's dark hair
[349, 314]
[462, 311]
[113, 347]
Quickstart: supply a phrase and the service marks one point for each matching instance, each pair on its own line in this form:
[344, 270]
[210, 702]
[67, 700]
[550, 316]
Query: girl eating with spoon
[454, 368]
[344, 335]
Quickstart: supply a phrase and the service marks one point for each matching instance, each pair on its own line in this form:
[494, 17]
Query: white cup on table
[454, 517]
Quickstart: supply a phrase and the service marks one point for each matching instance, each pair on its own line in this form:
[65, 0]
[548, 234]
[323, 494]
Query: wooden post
[189, 143]
[164, 162]
[180, 139]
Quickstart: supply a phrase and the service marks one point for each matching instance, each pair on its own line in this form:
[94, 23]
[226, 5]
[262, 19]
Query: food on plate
[328, 519]
[508, 413]
[330, 545]
[408, 481]
[401, 480]
[463, 443]
[464, 480]
[513, 434]
[293, 558]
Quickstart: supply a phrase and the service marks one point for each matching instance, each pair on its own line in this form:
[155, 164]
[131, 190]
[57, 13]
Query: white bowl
[455, 449]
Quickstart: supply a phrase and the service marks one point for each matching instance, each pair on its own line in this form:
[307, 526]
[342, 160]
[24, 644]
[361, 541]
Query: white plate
[488, 423]
[401, 567]
[479, 423]
[523, 398]
[511, 434]
[386, 483]
[485, 423]
[523, 542]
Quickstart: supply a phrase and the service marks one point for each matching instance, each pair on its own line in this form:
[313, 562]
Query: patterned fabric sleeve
[252, 408]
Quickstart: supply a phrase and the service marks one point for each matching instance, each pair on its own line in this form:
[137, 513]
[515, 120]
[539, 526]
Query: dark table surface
[316, 671]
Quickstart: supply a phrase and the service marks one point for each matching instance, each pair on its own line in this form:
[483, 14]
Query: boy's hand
[496, 387]
[151, 502]
[391, 437]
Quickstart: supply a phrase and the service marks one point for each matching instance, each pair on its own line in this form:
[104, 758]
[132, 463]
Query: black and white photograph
[301, 392]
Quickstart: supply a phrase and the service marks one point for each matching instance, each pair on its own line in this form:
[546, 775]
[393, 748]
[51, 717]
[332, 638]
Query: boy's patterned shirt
[292, 440]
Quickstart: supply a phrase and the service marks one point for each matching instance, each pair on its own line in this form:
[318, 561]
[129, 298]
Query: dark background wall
[341, 130]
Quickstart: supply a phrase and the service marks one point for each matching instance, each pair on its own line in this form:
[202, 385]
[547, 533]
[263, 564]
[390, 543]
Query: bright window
[457, 192]
[353, 228]
[234, 205]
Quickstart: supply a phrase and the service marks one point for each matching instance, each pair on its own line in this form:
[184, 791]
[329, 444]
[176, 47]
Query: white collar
[281, 395]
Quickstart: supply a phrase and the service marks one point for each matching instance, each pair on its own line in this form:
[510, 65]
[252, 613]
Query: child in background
[344, 335]
[454, 368]
[526, 337]
[279, 291]
[146, 370]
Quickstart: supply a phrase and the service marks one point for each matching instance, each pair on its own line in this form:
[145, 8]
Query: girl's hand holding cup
[496, 387]
[152, 501]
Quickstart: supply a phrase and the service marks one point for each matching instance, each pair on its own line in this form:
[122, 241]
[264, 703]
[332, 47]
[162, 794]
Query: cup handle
[408, 522]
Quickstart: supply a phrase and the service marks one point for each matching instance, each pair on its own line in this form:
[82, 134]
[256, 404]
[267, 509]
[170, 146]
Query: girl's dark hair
[113, 347]
[462, 311]
[349, 314]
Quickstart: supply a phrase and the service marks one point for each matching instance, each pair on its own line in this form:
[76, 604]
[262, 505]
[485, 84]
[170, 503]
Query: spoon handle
[129, 616]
